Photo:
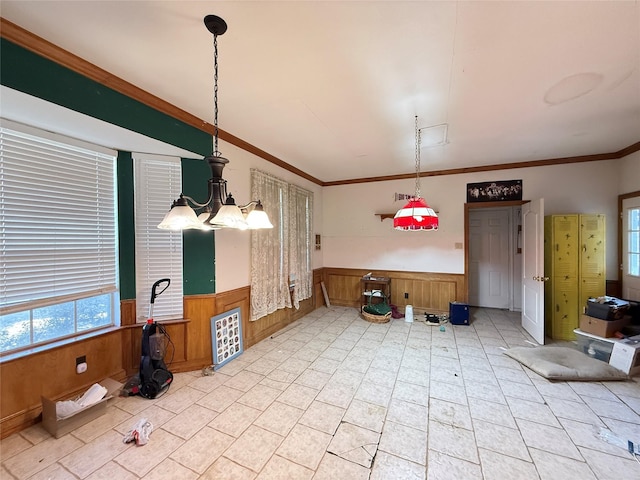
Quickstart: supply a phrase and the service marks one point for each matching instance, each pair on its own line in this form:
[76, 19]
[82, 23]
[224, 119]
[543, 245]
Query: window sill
[57, 344]
[78, 338]
[160, 322]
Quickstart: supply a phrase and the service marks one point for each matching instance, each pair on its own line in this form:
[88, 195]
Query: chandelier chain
[216, 153]
[418, 194]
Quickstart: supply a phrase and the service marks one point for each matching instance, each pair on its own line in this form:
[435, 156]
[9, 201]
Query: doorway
[629, 245]
[494, 255]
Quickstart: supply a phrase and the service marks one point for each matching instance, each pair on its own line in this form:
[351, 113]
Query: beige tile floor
[336, 397]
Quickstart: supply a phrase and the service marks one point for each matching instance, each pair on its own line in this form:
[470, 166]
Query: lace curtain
[269, 247]
[300, 228]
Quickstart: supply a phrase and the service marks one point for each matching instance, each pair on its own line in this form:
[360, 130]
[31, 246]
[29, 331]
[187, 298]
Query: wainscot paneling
[425, 291]
[189, 347]
[266, 326]
[52, 374]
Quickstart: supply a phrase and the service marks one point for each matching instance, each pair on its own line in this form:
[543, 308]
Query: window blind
[58, 225]
[158, 181]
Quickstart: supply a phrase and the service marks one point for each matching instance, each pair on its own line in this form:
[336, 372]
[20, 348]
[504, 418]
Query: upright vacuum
[155, 377]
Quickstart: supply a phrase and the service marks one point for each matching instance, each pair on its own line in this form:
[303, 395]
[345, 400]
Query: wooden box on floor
[59, 427]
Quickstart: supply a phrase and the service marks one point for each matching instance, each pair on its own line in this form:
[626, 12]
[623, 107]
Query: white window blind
[58, 233]
[158, 181]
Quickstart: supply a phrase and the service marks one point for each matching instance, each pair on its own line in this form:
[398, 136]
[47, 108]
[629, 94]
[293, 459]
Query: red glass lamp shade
[416, 215]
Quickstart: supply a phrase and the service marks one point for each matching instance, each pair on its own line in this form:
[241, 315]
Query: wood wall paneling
[253, 332]
[343, 288]
[52, 374]
[426, 291]
[199, 309]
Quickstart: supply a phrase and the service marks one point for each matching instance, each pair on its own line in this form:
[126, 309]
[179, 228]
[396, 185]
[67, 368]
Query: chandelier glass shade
[220, 210]
[180, 217]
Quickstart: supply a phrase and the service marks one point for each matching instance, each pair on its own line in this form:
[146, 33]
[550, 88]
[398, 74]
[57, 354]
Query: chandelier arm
[251, 203]
[199, 205]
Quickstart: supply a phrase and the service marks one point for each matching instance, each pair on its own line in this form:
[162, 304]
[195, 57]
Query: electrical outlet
[82, 359]
[406, 295]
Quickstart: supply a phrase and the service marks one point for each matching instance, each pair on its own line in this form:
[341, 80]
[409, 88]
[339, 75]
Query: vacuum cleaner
[155, 377]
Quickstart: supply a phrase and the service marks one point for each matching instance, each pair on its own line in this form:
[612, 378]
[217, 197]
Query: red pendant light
[416, 215]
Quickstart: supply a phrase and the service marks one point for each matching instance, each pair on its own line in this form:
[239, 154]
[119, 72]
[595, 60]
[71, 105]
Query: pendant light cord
[216, 153]
[418, 194]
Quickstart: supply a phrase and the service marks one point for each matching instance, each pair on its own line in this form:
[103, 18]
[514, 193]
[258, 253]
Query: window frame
[633, 253]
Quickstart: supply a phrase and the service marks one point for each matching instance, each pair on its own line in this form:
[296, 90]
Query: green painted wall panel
[199, 270]
[126, 224]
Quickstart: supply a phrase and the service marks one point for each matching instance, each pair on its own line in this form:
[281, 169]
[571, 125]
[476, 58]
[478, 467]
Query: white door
[631, 248]
[490, 258]
[533, 269]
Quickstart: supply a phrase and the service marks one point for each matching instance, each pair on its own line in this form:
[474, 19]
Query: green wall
[126, 226]
[198, 271]
[27, 72]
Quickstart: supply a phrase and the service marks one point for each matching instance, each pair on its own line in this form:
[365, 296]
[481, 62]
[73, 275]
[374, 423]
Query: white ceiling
[332, 87]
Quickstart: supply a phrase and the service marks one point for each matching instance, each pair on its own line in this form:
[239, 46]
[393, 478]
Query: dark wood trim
[613, 288]
[38, 45]
[48, 50]
[621, 198]
[467, 207]
[494, 167]
[629, 150]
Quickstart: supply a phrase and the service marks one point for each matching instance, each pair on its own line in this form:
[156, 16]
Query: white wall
[353, 237]
[630, 173]
[233, 247]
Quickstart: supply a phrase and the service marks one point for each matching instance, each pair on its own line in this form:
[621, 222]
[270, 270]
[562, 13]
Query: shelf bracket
[384, 216]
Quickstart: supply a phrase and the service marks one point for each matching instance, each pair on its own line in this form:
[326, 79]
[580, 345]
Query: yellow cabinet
[574, 259]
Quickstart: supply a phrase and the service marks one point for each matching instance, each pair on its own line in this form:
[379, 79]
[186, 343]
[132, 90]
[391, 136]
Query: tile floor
[336, 397]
